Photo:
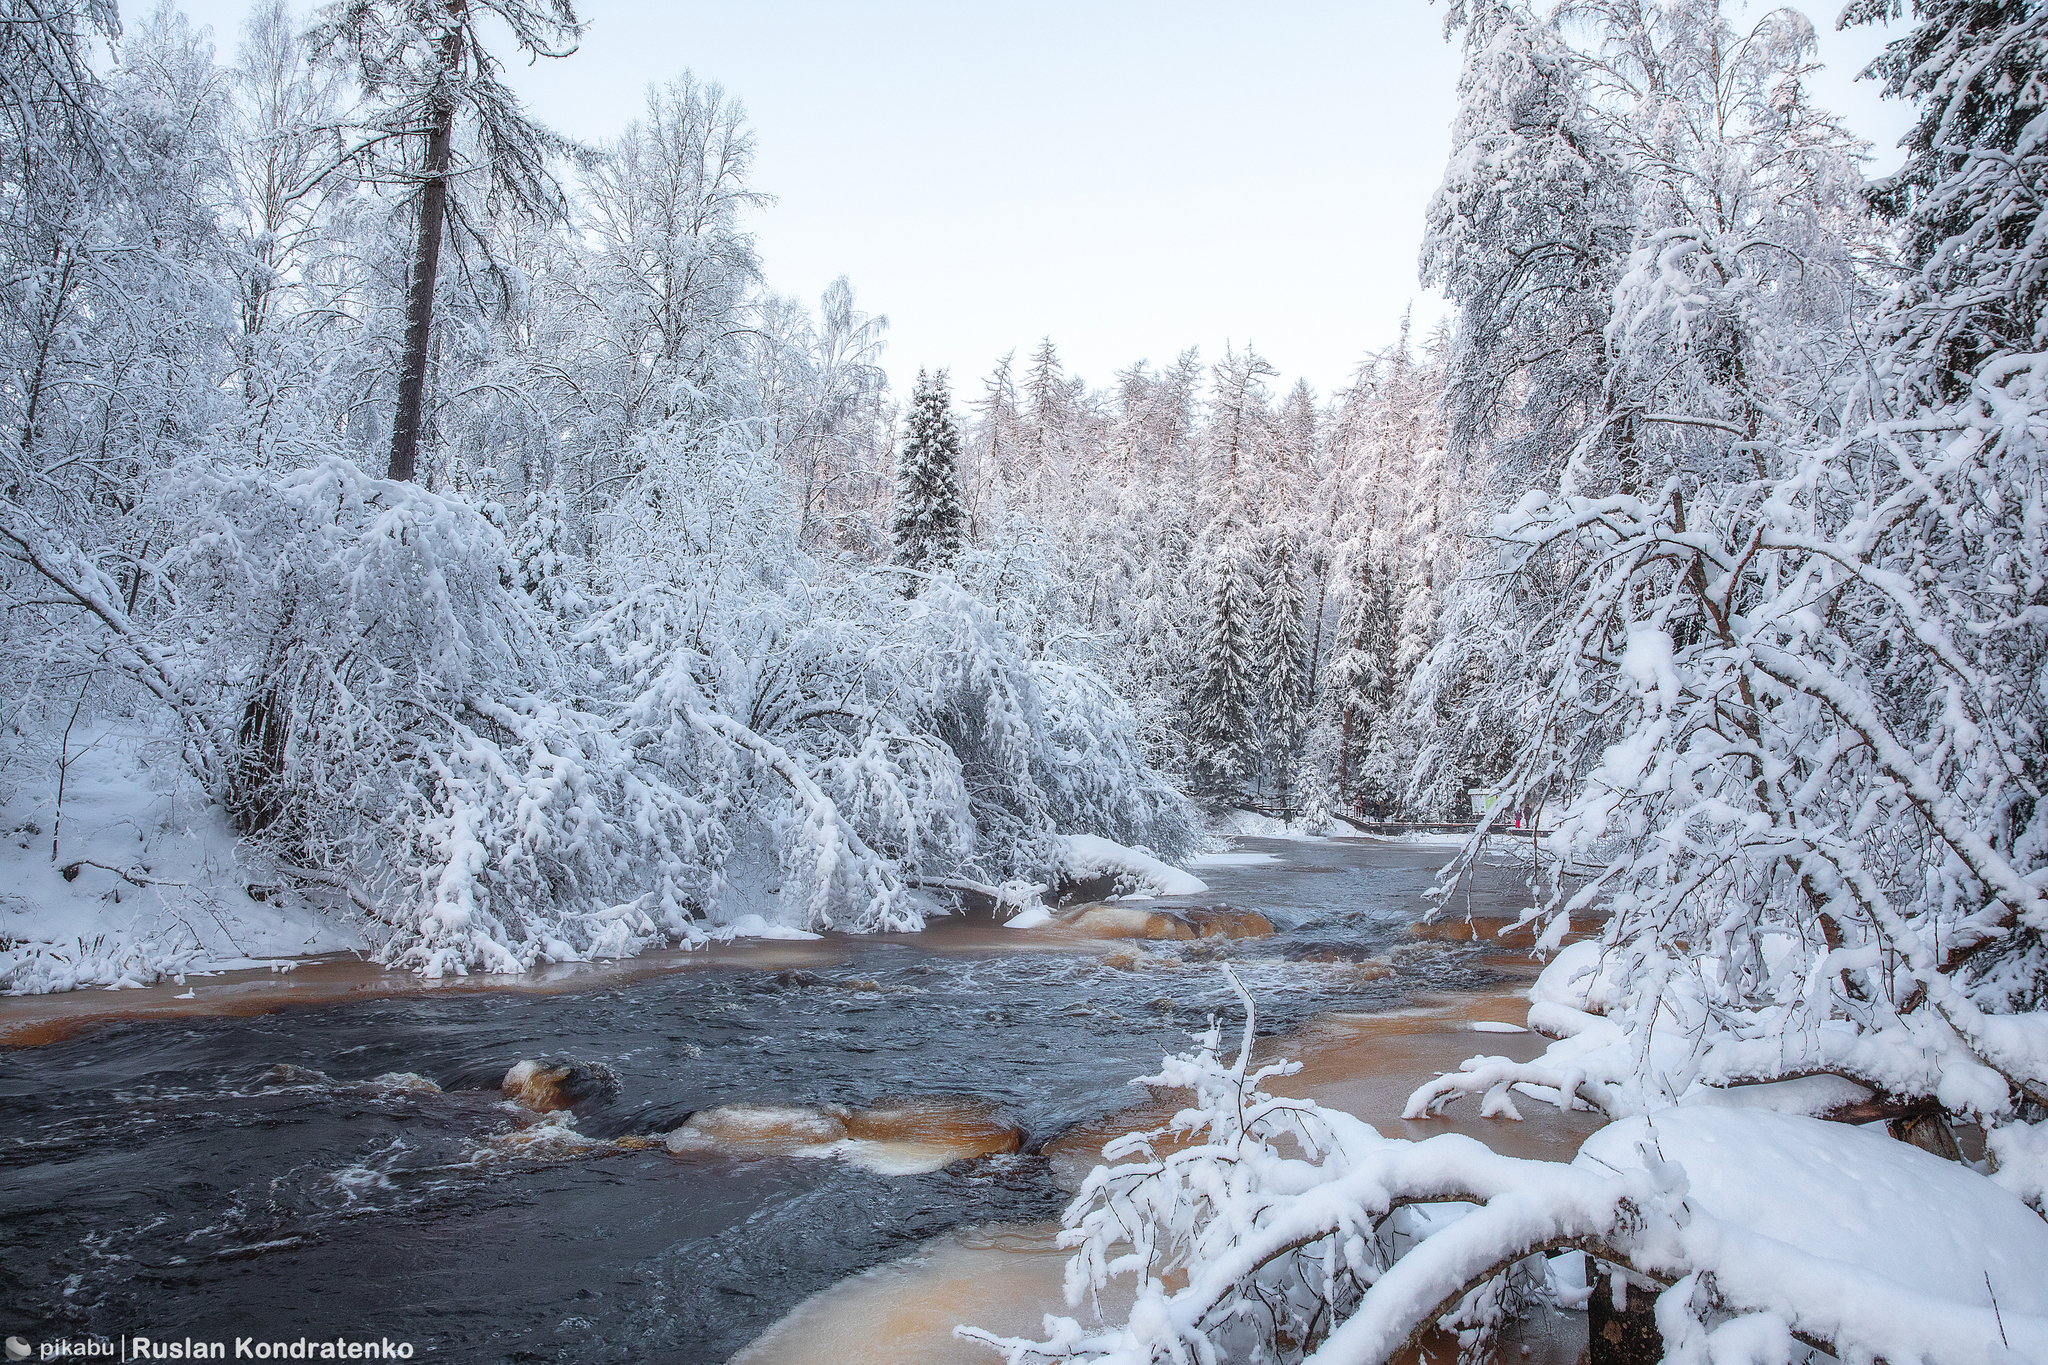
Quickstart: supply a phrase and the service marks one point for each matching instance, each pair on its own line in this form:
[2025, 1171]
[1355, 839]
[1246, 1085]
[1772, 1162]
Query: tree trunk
[419, 301]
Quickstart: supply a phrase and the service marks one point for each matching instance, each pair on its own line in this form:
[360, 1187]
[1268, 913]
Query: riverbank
[331, 978]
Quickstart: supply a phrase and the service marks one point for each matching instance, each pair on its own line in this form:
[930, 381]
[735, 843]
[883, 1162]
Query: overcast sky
[1127, 177]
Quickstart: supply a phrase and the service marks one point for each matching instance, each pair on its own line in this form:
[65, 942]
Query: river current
[226, 1177]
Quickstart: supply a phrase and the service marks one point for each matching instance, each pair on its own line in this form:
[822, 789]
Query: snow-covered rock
[1111, 920]
[1086, 857]
[755, 926]
[904, 1136]
[1583, 976]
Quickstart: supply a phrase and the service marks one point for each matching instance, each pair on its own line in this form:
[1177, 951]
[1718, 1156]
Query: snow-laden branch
[1297, 1232]
[841, 852]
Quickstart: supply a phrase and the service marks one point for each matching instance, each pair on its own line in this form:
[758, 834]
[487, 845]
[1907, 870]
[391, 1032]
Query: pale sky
[1130, 178]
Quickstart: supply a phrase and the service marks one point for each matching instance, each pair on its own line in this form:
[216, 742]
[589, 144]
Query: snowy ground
[158, 885]
[1245, 824]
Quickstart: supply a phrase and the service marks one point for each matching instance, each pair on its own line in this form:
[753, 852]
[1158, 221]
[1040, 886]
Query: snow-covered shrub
[390, 725]
[406, 729]
[872, 743]
[364, 681]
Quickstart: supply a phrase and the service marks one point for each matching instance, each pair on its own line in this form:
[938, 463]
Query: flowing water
[348, 1166]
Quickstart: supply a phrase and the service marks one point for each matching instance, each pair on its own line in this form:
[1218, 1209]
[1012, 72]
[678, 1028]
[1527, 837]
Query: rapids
[789, 1121]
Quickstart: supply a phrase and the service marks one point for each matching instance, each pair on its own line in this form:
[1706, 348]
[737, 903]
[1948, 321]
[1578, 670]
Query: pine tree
[929, 519]
[422, 65]
[1223, 701]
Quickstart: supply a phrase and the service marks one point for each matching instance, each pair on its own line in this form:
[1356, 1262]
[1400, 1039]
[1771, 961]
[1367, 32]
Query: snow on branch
[1297, 1233]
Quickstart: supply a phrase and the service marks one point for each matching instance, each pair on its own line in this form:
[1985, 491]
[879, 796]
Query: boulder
[968, 1126]
[1112, 919]
[546, 1087]
[894, 1136]
[1223, 921]
[288, 1074]
[1123, 919]
[410, 1081]
[752, 1130]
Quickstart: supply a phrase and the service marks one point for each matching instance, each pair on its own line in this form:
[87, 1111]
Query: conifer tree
[1971, 191]
[1364, 682]
[929, 517]
[423, 70]
[1286, 663]
[1223, 699]
[548, 564]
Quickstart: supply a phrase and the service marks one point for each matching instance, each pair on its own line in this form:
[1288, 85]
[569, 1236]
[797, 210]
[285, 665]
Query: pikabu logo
[78, 1348]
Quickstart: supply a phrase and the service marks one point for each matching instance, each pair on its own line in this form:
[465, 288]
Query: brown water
[787, 1120]
[1006, 1279]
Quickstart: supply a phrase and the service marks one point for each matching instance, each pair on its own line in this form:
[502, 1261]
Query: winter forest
[443, 529]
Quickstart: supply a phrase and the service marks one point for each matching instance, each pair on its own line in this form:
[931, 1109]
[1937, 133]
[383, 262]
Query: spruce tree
[1223, 695]
[1970, 193]
[926, 529]
[1366, 683]
[548, 566]
[1286, 663]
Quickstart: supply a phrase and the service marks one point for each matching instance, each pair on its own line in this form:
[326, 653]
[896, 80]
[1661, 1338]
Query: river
[222, 1175]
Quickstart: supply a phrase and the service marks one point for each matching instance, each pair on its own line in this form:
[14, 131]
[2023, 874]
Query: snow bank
[754, 926]
[1585, 976]
[2020, 1154]
[1250, 1218]
[1846, 1194]
[1251, 824]
[159, 885]
[1084, 856]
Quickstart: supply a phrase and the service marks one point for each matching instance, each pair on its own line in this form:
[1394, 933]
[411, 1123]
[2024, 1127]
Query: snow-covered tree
[824, 397]
[1971, 189]
[1240, 424]
[1225, 695]
[423, 70]
[1284, 654]
[928, 519]
[550, 570]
